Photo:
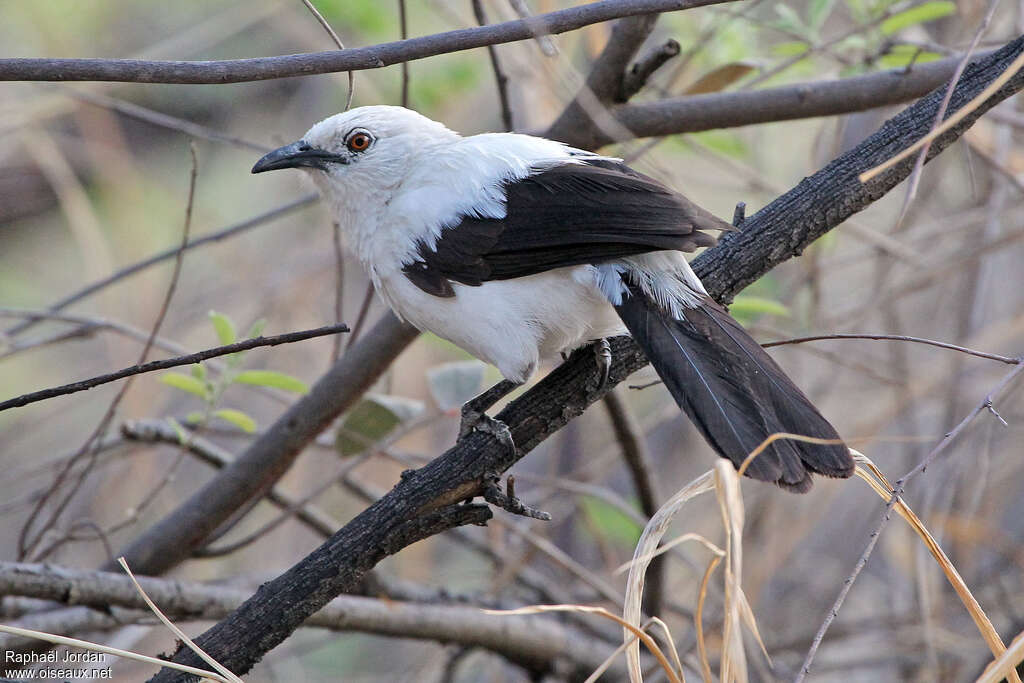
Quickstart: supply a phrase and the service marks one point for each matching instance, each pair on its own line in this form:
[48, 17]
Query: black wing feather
[566, 215]
[734, 392]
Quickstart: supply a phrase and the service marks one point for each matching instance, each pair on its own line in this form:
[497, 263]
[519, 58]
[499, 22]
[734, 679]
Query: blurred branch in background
[352, 59]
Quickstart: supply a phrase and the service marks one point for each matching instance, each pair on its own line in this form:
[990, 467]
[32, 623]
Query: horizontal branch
[350, 59]
[165, 363]
[897, 337]
[779, 231]
[534, 642]
[695, 113]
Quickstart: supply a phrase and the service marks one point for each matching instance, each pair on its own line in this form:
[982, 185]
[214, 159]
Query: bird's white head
[363, 150]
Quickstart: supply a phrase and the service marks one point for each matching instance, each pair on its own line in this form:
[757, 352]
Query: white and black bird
[517, 248]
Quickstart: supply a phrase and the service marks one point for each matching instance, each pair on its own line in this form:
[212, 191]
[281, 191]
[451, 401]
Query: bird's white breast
[512, 324]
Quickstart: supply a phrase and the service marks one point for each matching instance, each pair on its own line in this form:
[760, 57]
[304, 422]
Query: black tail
[734, 392]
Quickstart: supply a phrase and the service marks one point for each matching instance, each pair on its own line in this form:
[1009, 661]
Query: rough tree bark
[433, 493]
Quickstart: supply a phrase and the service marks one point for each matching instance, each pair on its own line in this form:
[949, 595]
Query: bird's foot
[474, 413]
[482, 422]
[603, 356]
[506, 500]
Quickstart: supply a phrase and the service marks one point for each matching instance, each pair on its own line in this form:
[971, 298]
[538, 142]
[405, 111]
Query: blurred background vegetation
[85, 191]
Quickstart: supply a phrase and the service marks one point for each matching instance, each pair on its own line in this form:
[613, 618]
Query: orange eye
[359, 142]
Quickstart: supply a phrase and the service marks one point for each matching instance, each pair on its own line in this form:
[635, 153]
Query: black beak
[296, 155]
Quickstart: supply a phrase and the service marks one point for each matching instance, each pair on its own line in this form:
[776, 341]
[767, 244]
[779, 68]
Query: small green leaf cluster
[210, 390]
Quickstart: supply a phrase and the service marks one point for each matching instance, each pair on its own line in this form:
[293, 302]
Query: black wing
[567, 215]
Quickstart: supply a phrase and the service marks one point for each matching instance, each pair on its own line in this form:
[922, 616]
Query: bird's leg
[603, 356]
[507, 501]
[474, 414]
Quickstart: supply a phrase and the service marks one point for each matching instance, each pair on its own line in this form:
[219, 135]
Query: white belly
[512, 324]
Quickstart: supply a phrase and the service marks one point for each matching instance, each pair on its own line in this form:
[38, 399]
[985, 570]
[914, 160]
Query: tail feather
[734, 392]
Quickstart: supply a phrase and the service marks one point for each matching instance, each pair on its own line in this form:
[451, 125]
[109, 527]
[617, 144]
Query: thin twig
[341, 46]
[364, 308]
[339, 286]
[152, 366]
[897, 337]
[898, 490]
[404, 29]
[915, 175]
[500, 78]
[161, 119]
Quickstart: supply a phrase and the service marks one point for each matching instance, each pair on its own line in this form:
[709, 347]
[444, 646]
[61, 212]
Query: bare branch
[352, 59]
[636, 78]
[744, 108]
[896, 337]
[166, 363]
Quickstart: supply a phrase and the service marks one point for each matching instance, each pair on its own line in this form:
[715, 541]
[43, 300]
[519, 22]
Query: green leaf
[904, 55]
[371, 420]
[237, 418]
[224, 327]
[452, 384]
[271, 378]
[185, 383]
[745, 308]
[790, 49]
[199, 371]
[928, 11]
[610, 521]
[195, 418]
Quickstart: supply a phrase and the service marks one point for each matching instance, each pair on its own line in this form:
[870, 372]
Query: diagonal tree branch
[351, 59]
[778, 232]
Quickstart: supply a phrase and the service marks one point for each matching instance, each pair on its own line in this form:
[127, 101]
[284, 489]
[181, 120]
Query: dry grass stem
[645, 638]
[647, 544]
[867, 471]
[227, 675]
[990, 90]
[1005, 664]
[116, 652]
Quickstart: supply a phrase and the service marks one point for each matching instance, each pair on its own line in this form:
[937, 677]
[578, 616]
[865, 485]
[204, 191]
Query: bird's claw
[506, 500]
[482, 422]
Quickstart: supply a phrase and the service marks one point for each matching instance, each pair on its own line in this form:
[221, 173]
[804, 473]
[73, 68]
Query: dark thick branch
[351, 59]
[778, 232]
